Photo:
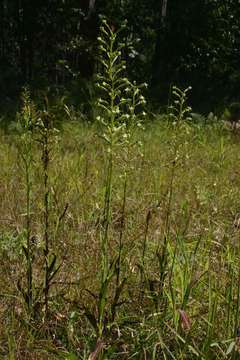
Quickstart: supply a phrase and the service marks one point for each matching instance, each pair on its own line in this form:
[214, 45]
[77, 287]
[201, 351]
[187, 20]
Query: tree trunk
[158, 78]
[164, 9]
[91, 8]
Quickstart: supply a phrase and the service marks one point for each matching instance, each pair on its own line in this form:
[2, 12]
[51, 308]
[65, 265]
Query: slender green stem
[29, 245]
[45, 159]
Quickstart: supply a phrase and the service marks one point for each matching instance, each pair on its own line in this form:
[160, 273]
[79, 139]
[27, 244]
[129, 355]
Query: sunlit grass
[202, 271]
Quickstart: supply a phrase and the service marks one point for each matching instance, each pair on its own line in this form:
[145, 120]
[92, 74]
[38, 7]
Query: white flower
[116, 110]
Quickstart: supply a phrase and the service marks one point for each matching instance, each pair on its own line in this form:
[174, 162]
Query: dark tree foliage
[52, 44]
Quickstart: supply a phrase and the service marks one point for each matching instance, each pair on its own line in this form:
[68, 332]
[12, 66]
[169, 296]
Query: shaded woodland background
[51, 46]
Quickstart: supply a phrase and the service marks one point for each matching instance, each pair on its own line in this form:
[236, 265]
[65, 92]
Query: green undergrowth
[173, 294]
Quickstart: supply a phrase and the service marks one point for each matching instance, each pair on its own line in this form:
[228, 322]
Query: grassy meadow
[119, 239]
[144, 266]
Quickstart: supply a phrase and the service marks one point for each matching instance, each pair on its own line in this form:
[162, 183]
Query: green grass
[185, 307]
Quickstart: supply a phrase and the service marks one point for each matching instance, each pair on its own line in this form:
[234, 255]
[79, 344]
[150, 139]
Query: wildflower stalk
[47, 134]
[45, 161]
[27, 119]
[117, 116]
[178, 114]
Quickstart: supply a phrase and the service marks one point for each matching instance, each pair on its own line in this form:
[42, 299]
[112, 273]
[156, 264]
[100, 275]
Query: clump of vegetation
[232, 114]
